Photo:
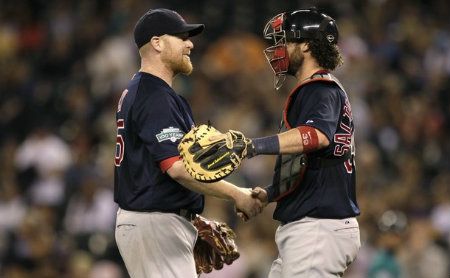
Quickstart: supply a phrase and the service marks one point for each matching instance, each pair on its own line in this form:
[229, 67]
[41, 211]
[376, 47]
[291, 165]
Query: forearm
[291, 142]
[221, 189]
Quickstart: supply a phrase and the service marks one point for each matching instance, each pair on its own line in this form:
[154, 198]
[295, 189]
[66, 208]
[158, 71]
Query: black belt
[189, 215]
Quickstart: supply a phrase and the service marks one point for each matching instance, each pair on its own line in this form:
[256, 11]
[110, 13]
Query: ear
[157, 43]
[304, 46]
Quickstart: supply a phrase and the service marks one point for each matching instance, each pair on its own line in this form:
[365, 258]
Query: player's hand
[242, 215]
[257, 193]
[260, 194]
[247, 206]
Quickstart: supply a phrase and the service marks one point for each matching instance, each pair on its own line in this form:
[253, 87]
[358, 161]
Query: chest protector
[290, 168]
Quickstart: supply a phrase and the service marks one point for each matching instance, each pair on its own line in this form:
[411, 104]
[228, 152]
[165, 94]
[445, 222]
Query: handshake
[209, 156]
[246, 207]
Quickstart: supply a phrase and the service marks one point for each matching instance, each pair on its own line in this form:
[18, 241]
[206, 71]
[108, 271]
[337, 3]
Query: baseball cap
[157, 22]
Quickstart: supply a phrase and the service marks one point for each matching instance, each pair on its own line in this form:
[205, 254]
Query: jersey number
[120, 144]
[348, 166]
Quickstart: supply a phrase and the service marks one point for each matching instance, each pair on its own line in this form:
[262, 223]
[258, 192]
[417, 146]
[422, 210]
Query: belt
[282, 223]
[189, 215]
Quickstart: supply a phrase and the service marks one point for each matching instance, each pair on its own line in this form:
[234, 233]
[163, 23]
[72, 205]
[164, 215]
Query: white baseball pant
[313, 247]
[155, 244]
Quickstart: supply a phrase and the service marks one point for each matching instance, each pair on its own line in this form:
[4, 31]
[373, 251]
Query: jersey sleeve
[320, 108]
[165, 164]
[160, 125]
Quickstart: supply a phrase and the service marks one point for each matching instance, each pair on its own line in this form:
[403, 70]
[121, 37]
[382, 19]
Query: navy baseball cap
[158, 22]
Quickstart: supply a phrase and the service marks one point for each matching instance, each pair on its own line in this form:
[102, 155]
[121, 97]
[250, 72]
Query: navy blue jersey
[151, 119]
[325, 192]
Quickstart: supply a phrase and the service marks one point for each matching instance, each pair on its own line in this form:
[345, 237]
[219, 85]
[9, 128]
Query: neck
[308, 68]
[157, 69]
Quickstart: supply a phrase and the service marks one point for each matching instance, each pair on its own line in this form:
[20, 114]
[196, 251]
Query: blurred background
[64, 64]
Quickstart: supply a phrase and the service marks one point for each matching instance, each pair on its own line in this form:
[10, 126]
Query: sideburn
[296, 59]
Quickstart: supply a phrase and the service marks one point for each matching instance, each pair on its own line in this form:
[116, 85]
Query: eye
[183, 36]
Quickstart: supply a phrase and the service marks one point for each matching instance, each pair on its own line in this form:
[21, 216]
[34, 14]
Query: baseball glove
[209, 160]
[215, 245]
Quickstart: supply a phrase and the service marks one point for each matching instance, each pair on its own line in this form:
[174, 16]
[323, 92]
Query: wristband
[265, 145]
[309, 138]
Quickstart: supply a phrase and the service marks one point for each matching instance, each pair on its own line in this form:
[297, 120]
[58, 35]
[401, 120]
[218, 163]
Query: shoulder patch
[171, 133]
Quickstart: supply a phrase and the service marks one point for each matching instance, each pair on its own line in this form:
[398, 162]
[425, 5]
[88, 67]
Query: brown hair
[327, 55]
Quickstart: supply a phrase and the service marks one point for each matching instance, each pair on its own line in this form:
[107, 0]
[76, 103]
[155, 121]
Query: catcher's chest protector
[290, 169]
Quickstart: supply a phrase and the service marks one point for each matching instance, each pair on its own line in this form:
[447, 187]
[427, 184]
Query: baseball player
[314, 180]
[157, 198]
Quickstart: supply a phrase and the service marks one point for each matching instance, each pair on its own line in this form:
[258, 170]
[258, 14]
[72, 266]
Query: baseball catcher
[215, 245]
[314, 181]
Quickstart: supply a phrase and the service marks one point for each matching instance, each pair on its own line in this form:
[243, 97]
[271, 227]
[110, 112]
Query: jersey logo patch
[172, 133]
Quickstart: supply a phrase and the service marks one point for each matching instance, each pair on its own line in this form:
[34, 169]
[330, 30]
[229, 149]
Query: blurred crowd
[64, 64]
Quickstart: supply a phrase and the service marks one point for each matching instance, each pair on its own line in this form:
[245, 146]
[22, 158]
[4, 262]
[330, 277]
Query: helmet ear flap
[322, 30]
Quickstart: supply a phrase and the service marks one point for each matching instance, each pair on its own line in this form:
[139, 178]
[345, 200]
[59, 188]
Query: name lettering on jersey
[348, 110]
[343, 139]
[119, 106]
[171, 133]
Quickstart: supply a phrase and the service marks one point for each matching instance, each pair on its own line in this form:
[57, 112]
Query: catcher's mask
[297, 26]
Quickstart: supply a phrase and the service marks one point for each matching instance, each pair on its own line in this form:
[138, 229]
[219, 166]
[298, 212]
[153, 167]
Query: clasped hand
[251, 203]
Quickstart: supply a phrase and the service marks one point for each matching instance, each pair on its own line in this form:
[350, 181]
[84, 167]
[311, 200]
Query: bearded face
[176, 56]
[296, 58]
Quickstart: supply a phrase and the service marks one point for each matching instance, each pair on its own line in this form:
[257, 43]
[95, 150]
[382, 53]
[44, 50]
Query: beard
[295, 61]
[182, 65]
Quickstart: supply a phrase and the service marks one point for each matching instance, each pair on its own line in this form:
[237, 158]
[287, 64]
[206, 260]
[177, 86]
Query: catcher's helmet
[295, 26]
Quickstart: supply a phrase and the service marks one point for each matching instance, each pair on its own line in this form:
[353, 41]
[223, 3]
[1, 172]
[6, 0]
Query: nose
[189, 44]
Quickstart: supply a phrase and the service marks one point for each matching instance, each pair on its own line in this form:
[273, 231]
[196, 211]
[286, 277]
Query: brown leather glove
[215, 245]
